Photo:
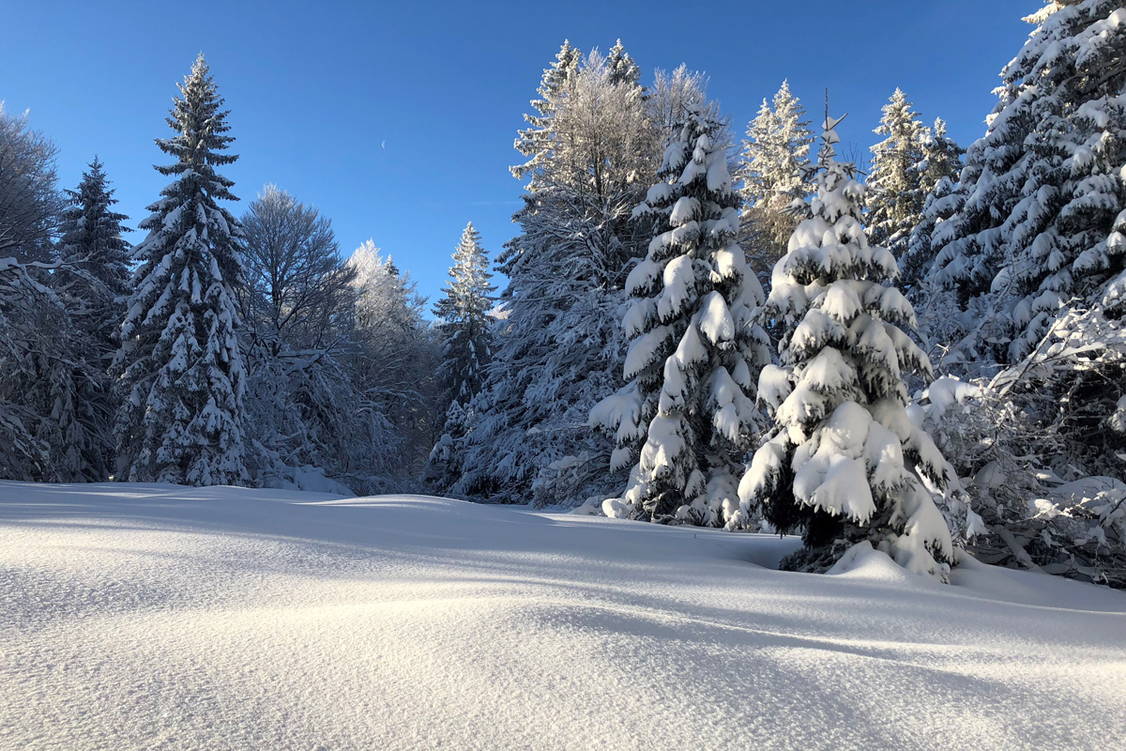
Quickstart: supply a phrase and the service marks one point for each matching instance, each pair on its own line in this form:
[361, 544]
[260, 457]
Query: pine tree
[96, 258]
[24, 298]
[685, 417]
[557, 349]
[774, 164]
[942, 157]
[844, 461]
[623, 70]
[1042, 194]
[938, 175]
[896, 185]
[464, 309]
[1067, 237]
[181, 370]
[93, 279]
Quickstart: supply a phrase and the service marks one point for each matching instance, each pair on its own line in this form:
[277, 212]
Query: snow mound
[158, 616]
[863, 562]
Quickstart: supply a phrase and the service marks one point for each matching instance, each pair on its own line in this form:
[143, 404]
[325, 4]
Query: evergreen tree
[938, 175]
[942, 157]
[623, 70]
[524, 436]
[464, 308]
[896, 185]
[774, 164]
[93, 279]
[50, 425]
[844, 461]
[180, 366]
[26, 304]
[96, 258]
[1040, 199]
[685, 417]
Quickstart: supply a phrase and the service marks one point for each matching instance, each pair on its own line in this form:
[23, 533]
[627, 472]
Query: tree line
[694, 329]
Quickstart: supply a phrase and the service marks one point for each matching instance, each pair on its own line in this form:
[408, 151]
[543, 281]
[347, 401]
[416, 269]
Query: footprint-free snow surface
[162, 617]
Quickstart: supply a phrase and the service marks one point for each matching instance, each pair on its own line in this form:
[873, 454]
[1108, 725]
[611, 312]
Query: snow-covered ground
[143, 616]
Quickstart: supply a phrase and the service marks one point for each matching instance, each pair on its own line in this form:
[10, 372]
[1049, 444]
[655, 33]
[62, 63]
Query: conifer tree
[844, 462]
[895, 185]
[464, 310]
[774, 164]
[96, 258]
[687, 415]
[93, 280]
[623, 70]
[1042, 194]
[557, 349]
[181, 370]
[938, 176]
[37, 336]
[942, 157]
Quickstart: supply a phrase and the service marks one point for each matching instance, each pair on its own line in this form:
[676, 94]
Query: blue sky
[396, 119]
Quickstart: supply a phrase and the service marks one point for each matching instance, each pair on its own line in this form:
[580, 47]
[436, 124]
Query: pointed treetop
[200, 122]
[622, 67]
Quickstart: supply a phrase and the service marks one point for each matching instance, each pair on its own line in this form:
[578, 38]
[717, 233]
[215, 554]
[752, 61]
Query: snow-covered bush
[1036, 504]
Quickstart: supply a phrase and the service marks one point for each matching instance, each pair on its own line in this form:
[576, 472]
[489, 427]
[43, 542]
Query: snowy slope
[141, 616]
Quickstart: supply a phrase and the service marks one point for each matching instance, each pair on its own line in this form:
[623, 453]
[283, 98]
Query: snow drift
[157, 616]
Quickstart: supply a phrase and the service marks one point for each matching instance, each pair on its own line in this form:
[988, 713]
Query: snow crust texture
[158, 616]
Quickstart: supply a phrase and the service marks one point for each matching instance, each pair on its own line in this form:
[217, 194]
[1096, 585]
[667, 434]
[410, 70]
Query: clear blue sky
[396, 119]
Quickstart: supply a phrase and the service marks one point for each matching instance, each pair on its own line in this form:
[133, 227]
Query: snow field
[150, 616]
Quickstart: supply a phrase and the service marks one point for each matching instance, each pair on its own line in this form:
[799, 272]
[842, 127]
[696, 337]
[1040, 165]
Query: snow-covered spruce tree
[1042, 190]
[844, 463]
[26, 302]
[696, 347]
[557, 349]
[938, 175]
[181, 370]
[93, 281]
[91, 243]
[942, 157]
[464, 310]
[1067, 242]
[895, 184]
[623, 70]
[774, 168]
